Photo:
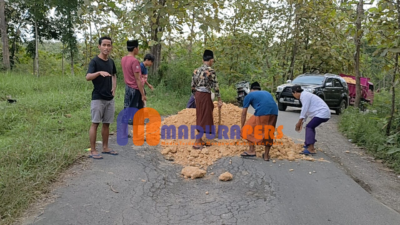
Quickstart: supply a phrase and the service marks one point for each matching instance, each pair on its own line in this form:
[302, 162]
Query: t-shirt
[130, 66]
[102, 85]
[144, 72]
[262, 102]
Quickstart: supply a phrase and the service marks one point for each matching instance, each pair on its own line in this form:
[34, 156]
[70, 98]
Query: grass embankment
[47, 130]
[369, 130]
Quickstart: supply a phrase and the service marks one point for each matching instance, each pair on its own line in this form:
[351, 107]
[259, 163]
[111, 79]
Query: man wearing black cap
[265, 115]
[312, 106]
[204, 80]
[134, 91]
[103, 74]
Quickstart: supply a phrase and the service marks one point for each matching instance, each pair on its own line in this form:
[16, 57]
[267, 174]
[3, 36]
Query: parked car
[331, 88]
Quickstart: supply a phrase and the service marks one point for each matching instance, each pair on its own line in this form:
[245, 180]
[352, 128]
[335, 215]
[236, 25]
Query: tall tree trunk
[4, 36]
[357, 40]
[90, 39]
[62, 59]
[294, 48]
[396, 66]
[36, 50]
[191, 34]
[72, 60]
[306, 48]
[156, 49]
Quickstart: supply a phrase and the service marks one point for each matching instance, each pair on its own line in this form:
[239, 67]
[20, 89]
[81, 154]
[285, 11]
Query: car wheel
[281, 107]
[341, 108]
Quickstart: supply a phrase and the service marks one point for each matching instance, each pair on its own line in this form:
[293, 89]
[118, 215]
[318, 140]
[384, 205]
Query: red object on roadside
[367, 89]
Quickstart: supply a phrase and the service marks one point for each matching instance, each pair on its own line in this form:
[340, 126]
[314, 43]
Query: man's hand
[113, 91]
[104, 74]
[144, 99]
[299, 125]
[151, 87]
[220, 103]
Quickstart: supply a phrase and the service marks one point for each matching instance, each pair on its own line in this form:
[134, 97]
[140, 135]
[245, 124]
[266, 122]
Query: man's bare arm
[244, 115]
[92, 76]
[139, 83]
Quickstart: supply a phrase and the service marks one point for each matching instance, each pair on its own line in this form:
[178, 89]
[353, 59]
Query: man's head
[133, 46]
[105, 45]
[148, 60]
[255, 87]
[208, 57]
[296, 91]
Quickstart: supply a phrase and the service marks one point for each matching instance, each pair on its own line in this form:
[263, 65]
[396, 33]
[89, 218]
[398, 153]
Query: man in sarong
[260, 128]
[312, 107]
[204, 80]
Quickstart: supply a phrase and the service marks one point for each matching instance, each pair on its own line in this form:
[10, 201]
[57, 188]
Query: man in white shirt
[313, 107]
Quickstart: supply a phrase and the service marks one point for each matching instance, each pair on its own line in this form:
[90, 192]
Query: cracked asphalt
[140, 187]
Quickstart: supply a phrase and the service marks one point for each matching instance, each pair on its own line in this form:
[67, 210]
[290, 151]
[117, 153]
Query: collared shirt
[313, 106]
[204, 79]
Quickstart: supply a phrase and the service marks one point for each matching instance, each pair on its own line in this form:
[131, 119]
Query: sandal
[247, 155]
[198, 147]
[112, 152]
[306, 152]
[98, 156]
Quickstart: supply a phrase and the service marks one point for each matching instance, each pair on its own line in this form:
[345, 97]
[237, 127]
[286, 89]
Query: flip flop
[246, 155]
[263, 157]
[99, 156]
[198, 147]
[112, 152]
[306, 152]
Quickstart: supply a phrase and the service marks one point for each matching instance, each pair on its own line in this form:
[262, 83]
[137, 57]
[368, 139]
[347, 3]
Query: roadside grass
[46, 131]
[369, 130]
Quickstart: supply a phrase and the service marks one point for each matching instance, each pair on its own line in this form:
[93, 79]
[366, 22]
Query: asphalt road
[152, 191]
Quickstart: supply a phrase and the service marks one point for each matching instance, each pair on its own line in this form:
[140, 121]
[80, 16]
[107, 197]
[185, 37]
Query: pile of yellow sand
[181, 151]
[349, 80]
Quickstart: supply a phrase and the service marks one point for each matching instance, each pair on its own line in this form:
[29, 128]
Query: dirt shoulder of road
[380, 181]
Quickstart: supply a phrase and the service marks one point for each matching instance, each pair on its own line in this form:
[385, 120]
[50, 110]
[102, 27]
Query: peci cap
[132, 43]
[297, 88]
[255, 86]
[209, 54]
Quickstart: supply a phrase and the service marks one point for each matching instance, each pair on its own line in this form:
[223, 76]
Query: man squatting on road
[312, 106]
[134, 91]
[266, 114]
[103, 74]
[203, 80]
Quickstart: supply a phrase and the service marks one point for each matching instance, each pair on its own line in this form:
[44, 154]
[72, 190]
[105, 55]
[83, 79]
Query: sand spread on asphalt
[180, 151]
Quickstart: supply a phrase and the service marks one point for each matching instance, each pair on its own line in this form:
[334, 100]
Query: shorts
[102, 111]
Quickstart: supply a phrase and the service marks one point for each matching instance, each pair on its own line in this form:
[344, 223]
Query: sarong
[267, 129]
[204, 111]
[132, 103]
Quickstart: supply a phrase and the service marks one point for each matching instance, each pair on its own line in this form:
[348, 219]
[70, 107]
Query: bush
[368, 129]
